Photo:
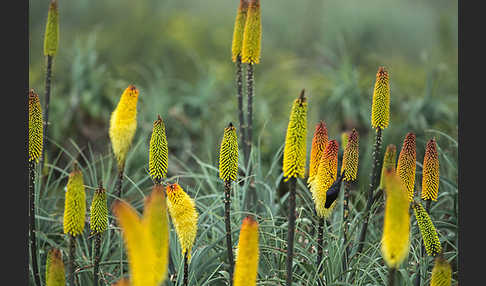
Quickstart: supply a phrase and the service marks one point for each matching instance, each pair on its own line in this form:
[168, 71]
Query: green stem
[33, 240]
[46, 106]
[320, 243]
[373, 183]
[120, 181]
[291, 231]
[72, 248]
[186, 269]
[345, 224]
[239, 89]
[249, 117]
[391, 276]
[96, 258]
[229, 243]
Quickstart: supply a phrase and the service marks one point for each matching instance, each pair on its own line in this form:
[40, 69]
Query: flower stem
[33, 240]
[320, 242]
[229, 244]
[373, 183]
[72, 248]
[239, 89]
[345, 224]
[46, 107]
[186, 269]
[120, 181]
[391, 276]
[291, 230]
[249, 117]
[96, 258]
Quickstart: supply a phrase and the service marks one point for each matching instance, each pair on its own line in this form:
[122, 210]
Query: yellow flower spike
[158, 151]
[395, 241]
[252, 34]
[146, 239]
[182, 210]
[51, 37]
[247, 254]
[123, 124]
[99, 211]
[427, 229]
[407, 164]
[156, 221]
[240, 21]
[228, 155]
[441, 273]
[380, 110]
[75, 203]
[55, 274]
[325, 177]
[389, 162]
[319, 141]
[351, 157]
[430, 172]
[295, 141]
[36, 131]
[139, 246]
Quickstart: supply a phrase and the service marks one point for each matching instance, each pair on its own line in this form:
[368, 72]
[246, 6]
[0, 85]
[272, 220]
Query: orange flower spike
[319, 142]
[406, 163]
[326, 175]
[246, 266]
[430, 172]
[351, 157]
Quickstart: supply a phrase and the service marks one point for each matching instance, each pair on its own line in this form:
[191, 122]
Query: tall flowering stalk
[35, 152]
[158, 151]
[430, 173]
[441, 273]
[380, 117]
[236, 47]
[98, 223]
[123, 124]
[325, 177]
[350, 167]
[246, 268]
[55, 275]
[228, 171]
[406, 164]
[319, 142]
[250, 54]
[51, 44]
[146, 239]
[395, 241]
[294, 158]
[182, 210]
[74, 214]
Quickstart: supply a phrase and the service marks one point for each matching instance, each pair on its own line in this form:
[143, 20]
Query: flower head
[99, 211]
[35, 127]
[239, 28]
[158, 151]
[427, 229]
[246, 266]
[55, 274]
[380, 110]
[51, 37]
[75, 203]
[389, 162]
[441, 273]
[252, 34]
[319, 141]
[351, 157]
[430, 172]
[228, 155]
[407, 164]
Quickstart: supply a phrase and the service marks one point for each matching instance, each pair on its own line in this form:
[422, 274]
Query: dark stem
[320, 244]
[291, 230]
[72, 248]
[239, 89]
[345, 224]
[249, 117]
[46, 106]
[422, 250]
[427, 206]
[96, 258]
[120, 181]
[373, 183]
[186, 269]
[391, 276]
[229, 243]
[33, 240]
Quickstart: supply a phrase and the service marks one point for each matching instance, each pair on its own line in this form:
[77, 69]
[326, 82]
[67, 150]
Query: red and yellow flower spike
[326, 175]
[407, 164]
[36, 131]
[319, 142]
[146, 239]
[158, 151]
[182, 209]
[228, 154]
[75, 203]
[252, 34]
[123, 124]
[51, 37]
[441, 273]
[55, 274]
[389, 162]
[430, 172]
[380, 110]
[351, 157]
[240, 21]
[247, 254]
[427, 229]
[295, 141]
[395, 241]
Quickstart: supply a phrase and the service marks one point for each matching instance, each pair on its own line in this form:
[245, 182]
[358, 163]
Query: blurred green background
[178, 54]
